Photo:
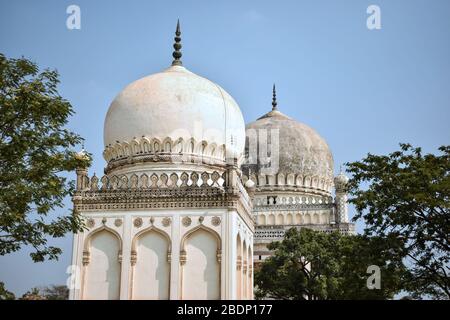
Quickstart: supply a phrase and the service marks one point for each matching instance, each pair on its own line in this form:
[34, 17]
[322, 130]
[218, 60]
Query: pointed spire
[274, 99]
[177, 46]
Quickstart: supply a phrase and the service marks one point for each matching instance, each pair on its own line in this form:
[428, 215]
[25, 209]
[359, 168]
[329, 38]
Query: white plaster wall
[103, 272]
[201, 273]
[152, 270]
[231, 225]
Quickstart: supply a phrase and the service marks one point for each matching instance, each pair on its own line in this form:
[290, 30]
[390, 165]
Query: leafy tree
[55, 292]
[314, 265]
[5, 294]
[35, 149]
[405, 196]
[33, 294]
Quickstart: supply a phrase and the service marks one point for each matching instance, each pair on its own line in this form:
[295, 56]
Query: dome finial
[274, 98]
[177, 46]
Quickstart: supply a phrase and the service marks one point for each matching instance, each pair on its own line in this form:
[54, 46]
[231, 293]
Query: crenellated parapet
[158, 190]
[154, 180]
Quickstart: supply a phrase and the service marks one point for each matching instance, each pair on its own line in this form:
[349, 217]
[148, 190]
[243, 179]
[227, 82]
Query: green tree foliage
[5, 294]
[33, 294]
[55, 292]
[35, 149]
[314, 265]
[405, 197]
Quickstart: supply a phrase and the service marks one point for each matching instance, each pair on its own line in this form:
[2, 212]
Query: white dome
[174, 111]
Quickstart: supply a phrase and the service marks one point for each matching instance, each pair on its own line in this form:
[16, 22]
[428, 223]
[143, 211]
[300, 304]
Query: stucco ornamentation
[186, 221]
[166, 222]
[138, 222]
[215, 221]
[90, 223]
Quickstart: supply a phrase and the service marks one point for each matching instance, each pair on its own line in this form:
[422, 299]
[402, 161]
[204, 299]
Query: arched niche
[289, 219]
[280, 219]
[150, 260]
[239, 261]
[245, 271]
[324, 218]
[102, 257]
[261, 219]
[316, 218]
[200, 259]
[250, 273]
[307, 218]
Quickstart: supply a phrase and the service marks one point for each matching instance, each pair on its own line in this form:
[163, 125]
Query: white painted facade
[153, 260]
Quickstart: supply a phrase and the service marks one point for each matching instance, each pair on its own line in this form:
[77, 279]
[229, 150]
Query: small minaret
[177, 46]
[82, 178]
[340, 184]
[274, 98]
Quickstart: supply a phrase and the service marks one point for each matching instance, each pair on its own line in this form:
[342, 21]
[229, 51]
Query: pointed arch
[102, 257]
[271, 219]
[261, 219]
[244, 269]
[280, 219]
[200, 260]
[290, 179]
[99, 229]
[250, 272]
[150, 261]
[239, 261]
[307, 218]
[289, 219]
[315, 218]
[167, 145]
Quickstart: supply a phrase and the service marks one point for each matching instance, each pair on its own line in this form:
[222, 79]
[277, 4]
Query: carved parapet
[154, 181]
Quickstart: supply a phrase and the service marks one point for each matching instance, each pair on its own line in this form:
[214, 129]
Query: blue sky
[362, 90]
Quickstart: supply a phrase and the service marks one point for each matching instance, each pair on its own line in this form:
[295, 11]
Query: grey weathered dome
[305, 160]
